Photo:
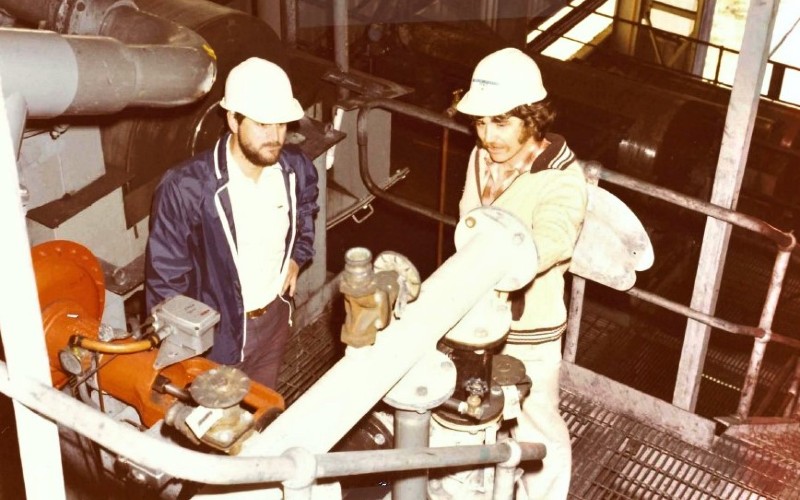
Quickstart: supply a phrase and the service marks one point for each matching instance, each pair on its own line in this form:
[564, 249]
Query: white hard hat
[260, 90]
[502, 81]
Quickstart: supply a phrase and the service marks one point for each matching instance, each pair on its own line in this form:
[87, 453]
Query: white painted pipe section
[16, 111]
[494, 244]
[49, 86]
[21, 323]
[136, 446]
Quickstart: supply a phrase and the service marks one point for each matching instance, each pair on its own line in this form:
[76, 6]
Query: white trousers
[541, 422]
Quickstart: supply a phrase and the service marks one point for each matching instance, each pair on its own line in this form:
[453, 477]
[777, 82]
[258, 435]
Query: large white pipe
[21, 322]
[494, 245]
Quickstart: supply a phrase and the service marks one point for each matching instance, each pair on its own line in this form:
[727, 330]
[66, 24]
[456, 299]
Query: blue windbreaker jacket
[192, 238]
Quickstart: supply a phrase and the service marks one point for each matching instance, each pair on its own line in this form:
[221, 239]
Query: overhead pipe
[290, 22]
[340, 40]
[114, 56]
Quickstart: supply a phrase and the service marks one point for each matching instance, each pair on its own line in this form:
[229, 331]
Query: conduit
[130, 58]
[145, 344]
[20, 319]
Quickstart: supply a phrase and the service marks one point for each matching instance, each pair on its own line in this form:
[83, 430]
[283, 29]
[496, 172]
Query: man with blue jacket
[232, 226]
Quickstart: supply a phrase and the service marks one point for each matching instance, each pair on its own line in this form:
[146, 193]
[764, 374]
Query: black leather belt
[255, 313]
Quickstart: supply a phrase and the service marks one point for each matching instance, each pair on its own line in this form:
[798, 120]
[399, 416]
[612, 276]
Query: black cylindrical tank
[142, 143]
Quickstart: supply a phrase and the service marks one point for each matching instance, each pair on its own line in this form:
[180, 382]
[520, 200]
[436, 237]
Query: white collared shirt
[261, 217]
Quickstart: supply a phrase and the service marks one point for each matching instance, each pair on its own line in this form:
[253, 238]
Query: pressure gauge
[70, 362]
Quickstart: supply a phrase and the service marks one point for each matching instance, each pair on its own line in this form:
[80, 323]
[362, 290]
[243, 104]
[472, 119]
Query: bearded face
[261, 143]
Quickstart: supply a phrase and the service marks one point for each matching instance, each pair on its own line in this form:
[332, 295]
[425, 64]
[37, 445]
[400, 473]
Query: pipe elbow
[174, 64]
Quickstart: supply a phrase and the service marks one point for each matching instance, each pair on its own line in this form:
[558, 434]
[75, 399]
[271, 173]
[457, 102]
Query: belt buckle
[255, 313]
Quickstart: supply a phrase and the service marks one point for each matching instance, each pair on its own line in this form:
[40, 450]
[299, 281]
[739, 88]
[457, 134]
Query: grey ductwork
[114, 57]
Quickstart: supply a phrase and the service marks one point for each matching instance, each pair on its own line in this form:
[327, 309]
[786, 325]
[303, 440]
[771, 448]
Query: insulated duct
[114, 56]
[141, 144]
[134, 60]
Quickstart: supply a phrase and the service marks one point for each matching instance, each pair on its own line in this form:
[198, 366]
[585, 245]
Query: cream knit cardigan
[552, 203]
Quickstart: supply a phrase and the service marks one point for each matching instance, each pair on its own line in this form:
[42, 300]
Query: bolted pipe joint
[86, 17]
[515, 454]
[507, 230]
[305, 472]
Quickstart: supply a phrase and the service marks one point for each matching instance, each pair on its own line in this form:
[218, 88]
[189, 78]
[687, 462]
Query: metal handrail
[290, 468]
[363, 157]
[785, 243]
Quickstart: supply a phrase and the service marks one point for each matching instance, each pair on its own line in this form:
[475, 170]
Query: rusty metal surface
[781, 439]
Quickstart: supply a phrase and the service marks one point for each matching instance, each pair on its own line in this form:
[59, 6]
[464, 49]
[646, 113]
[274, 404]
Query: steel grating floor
[616, 457]
[310, 352]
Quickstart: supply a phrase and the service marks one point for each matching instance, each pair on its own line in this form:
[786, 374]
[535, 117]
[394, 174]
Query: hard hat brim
[290, 112]
[484, 102]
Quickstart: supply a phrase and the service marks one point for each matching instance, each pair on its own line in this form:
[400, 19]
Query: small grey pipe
[290, 22]
[340, 41]
[348, 463]
[411, 430]
[505, 472]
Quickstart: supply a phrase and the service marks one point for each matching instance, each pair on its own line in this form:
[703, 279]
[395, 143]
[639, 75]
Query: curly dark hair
[538, 117]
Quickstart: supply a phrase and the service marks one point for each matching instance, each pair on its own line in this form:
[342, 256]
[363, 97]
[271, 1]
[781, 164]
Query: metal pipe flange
[507, 229]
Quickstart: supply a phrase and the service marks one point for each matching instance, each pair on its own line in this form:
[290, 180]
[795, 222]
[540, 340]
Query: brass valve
[373, 292]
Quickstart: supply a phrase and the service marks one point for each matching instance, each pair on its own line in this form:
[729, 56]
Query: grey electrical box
[186, 329]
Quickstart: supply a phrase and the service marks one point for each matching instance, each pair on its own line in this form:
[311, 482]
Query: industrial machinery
[102, 96]
[153, 378]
